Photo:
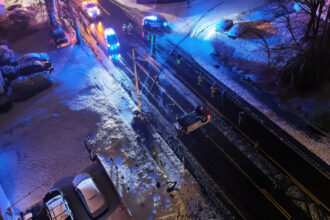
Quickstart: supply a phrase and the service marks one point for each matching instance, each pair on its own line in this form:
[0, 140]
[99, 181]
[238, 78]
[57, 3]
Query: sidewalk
[4, 205]
[193, 29]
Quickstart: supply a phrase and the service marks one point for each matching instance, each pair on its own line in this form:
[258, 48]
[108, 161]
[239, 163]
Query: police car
[191, 121]
[91, 9]
[154, 21]
[111, 40]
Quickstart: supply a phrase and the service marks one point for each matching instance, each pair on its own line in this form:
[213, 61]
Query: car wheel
[204, 119]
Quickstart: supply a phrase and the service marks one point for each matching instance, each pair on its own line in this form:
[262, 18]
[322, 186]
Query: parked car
[192, 121]
[43, 57]
[33, 66]
[91, 9]
[13, 7]
[18, 13]
[9, 72]
[56, 206]
[112, 42]
[90, 195]
[28, 214]
[154, 21]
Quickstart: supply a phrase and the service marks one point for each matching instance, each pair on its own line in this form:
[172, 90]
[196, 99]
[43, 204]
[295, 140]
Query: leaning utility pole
[136, 80]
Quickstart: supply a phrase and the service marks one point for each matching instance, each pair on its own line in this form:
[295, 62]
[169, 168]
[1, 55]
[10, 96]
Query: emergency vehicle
[111, 40]
[91, 9]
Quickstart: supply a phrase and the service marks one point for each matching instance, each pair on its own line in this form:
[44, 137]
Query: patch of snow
[224, 24]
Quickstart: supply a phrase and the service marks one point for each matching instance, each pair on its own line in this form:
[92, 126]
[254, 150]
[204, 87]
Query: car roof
[151, 17]
[58, 208]
[92, 195]
[109, 31]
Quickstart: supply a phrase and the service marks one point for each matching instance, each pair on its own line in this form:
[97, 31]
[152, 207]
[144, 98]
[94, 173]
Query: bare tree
[309, 68]
[314, 8]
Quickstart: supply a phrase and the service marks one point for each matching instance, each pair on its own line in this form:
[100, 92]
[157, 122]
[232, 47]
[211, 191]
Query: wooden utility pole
[136, 80]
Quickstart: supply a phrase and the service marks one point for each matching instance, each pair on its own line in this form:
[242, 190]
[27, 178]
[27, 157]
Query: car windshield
[112, 39]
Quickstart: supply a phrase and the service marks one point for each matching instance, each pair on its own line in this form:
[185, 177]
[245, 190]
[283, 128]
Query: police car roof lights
[152, 18]
[109, 31]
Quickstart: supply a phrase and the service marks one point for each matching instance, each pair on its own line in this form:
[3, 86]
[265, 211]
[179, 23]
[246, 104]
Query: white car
[91, 9]
[111, 40]
[90, 195]
[193, 120]
[154, 21]
[56, 206]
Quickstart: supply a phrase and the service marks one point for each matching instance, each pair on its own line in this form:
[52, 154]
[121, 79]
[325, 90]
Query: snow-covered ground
[41, 140]
[194, 30]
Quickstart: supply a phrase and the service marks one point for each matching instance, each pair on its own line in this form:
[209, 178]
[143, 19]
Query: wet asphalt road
[246, 187]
